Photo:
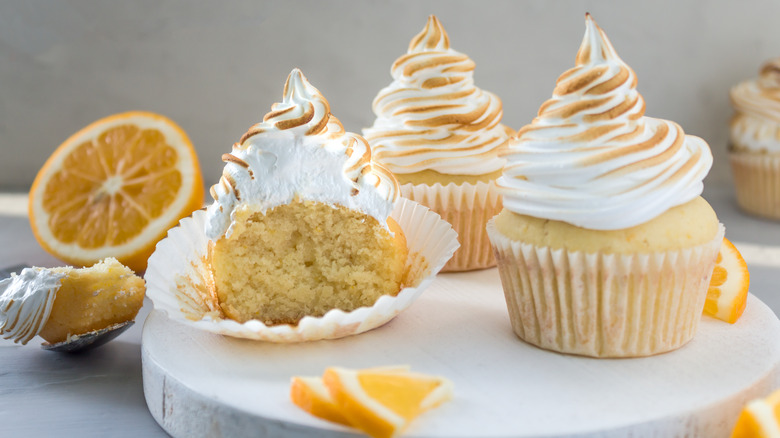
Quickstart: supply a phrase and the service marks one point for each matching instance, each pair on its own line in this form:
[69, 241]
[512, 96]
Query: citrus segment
[760, 418]
[382, 402]
[114, 188]
[728, 290]
[311, 395]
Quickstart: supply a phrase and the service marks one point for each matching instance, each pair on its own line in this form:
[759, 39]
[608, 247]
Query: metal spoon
[89, 340]
[79, 343]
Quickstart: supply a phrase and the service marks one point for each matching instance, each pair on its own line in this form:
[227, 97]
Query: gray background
[216, 67]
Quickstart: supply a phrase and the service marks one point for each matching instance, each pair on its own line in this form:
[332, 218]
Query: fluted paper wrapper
[468, 207]
[177, 281]
[604, 305]
[757, 180]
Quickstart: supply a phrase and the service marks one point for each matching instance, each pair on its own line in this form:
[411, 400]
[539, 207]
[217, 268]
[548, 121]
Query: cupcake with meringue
[299, 222]
[304, 239]
[605, 247]
[755, 142]
[440, 136]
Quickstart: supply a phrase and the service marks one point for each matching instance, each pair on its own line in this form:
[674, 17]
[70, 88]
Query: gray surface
[216, 67]
[740, 226]
[100, 393]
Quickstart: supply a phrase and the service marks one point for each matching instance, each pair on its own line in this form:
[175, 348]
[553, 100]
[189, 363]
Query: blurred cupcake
[604, 246]
[306, 238]
[755, 142]
[440, 136]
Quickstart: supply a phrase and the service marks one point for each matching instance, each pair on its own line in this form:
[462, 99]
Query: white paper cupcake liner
[757, 181]
[177, 281]
[604, 305]
[468, 207]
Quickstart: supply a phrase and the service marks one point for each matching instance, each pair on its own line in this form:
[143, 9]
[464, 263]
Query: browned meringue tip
[432, 37]
[299, 94]
[595, 44]
[771, 66]
[295, 76]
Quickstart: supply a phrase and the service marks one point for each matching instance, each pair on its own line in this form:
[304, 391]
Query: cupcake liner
[757, 180]
[178, 281]
[468, 207]
[604, 305]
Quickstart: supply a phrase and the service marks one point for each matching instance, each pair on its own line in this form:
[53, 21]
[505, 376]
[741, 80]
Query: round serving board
[199, 384]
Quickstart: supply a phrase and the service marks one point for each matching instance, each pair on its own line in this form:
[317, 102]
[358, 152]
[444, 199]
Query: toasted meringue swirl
[26, 300]
[756, 124]
[432, 116]
[591, 158]
[300, 150]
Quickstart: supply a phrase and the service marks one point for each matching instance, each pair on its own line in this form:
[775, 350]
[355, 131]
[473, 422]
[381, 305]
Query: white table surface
[100, 393]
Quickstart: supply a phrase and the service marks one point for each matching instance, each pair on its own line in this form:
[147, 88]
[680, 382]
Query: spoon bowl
[89, 340]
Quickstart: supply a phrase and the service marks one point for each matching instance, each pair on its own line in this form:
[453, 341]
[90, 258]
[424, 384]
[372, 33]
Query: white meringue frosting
[756, 124]
[592, 158]
[432, 116]
[301, 151]
[26, 300]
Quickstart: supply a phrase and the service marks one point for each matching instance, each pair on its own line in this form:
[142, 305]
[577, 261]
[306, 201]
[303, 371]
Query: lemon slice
[759, 419]
[382, 402]
[728, 291]
[311, 395]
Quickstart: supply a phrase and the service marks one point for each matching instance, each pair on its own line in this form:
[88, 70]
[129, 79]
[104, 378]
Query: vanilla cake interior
[305, 258]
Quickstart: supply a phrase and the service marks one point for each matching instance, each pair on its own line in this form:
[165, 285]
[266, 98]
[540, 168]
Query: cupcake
[755, 142]
[306, 238]
[440, 136]
[604, 246]
[299, 223]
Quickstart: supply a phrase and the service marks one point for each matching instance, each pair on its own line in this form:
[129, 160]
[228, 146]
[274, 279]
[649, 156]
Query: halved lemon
[760, 418]
[114, 188]
[728, 291]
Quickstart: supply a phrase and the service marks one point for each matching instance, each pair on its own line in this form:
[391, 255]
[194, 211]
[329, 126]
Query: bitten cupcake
[755, 142]
[300, 221]
[604, 246]
[440, 136]
[306, 239]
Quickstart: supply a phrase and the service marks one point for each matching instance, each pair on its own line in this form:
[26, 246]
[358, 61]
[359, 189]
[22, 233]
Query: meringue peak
[592, 158]
[302, 107]
[299, 151]
[432, 38]
[595, 47]
[770, 74]
[297, 89]
[756, 122]
[432, 116]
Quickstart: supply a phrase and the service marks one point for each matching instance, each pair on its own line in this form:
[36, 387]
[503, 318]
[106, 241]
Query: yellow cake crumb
[684, 226]
[305, 258]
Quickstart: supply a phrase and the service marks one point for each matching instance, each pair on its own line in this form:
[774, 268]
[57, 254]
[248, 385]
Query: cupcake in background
[604, 246]
[440, 136]
[755, 142]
